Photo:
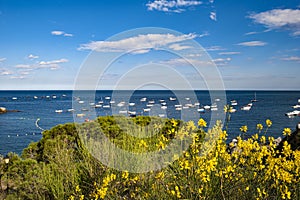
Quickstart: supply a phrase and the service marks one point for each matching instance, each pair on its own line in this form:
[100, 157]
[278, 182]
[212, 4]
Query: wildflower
[226, 108]
[259, 127]
[125, 174]
[202, 123]
[247, 188]
[287, 131]
[268, 123]
[160, 175]
[143, 144]
[77, 189]
[244, 129]
[161, 145]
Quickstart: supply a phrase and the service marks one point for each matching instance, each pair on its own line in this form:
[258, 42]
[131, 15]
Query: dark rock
[293, 140]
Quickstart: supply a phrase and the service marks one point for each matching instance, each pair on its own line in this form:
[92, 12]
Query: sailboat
[254, 100]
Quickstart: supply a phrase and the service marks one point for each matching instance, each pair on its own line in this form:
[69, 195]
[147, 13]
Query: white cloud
[291, 58]
[229, 53]
[61, 33]
[286, 19]
[138, 44]
[2, 59]
[214, 48]
[171, 6]
[252, 43]
[213, 16]
[185, 62]
[53, 65]
[57, 32]
[31, 56]
[63, 60]
[4, 72]
[221, 61]
[178, 47]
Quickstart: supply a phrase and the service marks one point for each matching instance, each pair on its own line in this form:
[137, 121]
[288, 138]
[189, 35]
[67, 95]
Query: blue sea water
[18, 129]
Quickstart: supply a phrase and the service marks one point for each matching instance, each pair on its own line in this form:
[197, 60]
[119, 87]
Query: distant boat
[81, 102]
[172, 99]
[293, 113]
[233, 102]
[201, 110]
[296, 106]
[123, 112]
[80, 115]
[147, 109]
[106, 106]
[107, 97]
[122, 103]
[71, 110]
[164, 107]
[131, 104]
[35, 97]
[254, 100]
[54, 97]
[58, 111]
[14, 98]
[247, 107]
[143, 99]
[206, 107]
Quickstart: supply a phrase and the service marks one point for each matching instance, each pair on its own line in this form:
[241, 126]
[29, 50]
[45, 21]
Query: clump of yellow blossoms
[255, 169]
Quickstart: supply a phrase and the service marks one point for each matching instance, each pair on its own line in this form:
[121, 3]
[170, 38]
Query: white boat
[92, 104]
[131, 104]
[147, 109]
[187, 98]
[143, 99]
[107, 97]
[152, 102]
[58, 111]
[254, 100]
[161, 100]
[206, 107]
[54, 97]
[131, 112]
[233, 110]
[98, 106]
[201, 110]
[197, 104]
[100, 102]
[233, 102]
[293, 113]
[35, 97]
[122, 103]
[250, 104]
[81, 102]
[178, 108]
[163, 103]
[214, 108]
[112, 102]
[106, 106]
[189, 105]
[80, 115]
[14, 98]
[149, 105]
[47, 97]
[71, 110]
[123, 111]
[296, 106]
[247, 107]
[164, 107]
[84, 109]
[217, 99]
[172, 99]
[161, 115]
[298, 100]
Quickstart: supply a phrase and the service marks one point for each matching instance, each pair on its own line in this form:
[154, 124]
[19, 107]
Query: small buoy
[8, 136]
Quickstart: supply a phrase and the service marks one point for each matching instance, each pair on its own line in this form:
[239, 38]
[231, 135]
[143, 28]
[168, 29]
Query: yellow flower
[268, 123]
[247, 188]
[259, 126]
[202, 123]
[143, 144]
[244, 129]
[125, 174]
[287, 131]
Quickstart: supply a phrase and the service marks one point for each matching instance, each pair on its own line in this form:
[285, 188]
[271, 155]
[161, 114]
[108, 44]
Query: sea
[41, 110]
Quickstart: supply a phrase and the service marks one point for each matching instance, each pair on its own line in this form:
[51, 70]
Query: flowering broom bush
[253, 169]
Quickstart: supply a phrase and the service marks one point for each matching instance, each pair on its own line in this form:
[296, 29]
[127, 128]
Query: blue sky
[254, 44]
